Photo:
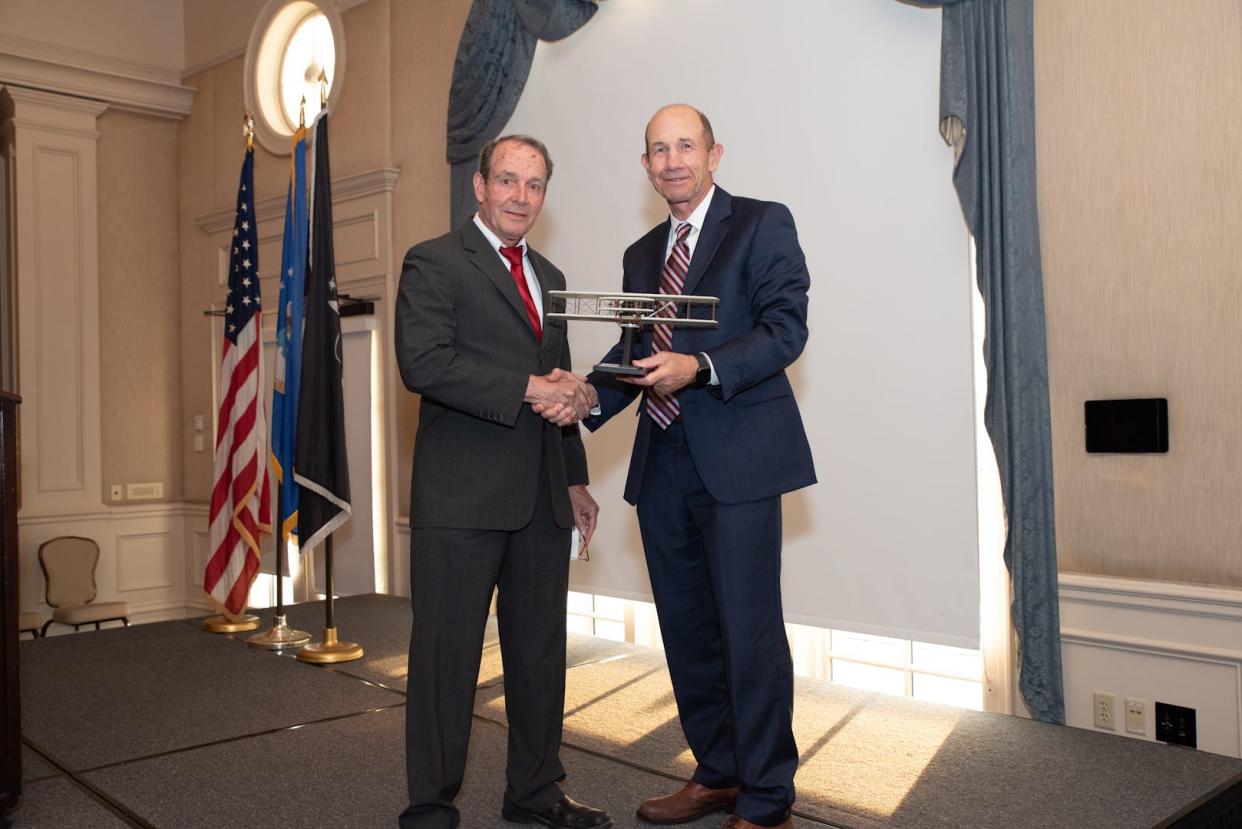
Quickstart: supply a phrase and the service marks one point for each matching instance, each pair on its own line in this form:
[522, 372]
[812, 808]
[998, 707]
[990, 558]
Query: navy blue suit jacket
[745, 436]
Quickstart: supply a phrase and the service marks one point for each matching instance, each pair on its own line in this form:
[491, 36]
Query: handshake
[561, 397]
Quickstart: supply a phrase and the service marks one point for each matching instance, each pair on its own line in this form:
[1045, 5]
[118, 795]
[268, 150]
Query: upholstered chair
[68, 564]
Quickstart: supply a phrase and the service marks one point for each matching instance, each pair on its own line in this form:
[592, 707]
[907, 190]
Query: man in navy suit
[719, 441]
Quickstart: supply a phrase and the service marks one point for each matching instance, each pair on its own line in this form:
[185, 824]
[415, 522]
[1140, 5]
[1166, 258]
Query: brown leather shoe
[690, 803]
[735, 822]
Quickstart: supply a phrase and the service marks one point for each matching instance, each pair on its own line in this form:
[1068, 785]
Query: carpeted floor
[165, 726]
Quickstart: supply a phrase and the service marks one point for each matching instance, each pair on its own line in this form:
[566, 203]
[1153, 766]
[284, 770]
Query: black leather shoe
[563, 814]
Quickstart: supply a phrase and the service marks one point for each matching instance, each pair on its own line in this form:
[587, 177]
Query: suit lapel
[715, 227]
[480, 253]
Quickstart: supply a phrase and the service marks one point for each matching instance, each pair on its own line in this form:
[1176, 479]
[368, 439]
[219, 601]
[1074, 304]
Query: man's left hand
[667, 371]
[586, 511]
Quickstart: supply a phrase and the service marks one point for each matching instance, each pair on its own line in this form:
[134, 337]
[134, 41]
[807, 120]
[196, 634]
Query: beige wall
[392, 113]
[139, 302]
[1140, 197]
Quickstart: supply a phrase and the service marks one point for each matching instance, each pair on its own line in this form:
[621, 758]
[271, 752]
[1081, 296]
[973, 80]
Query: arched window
[294, 44]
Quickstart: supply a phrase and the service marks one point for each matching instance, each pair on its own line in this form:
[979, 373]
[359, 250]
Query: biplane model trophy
[632, 312]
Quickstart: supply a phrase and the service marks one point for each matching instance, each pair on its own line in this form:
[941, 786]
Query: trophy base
[615, 368]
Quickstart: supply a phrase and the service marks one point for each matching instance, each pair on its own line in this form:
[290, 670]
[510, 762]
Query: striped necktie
[664, 409]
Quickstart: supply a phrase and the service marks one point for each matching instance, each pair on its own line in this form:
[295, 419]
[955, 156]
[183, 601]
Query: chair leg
[125, 619]
[46, 625]
[97, 626]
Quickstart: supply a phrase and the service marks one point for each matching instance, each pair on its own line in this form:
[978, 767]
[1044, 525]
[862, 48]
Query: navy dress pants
[715, 572]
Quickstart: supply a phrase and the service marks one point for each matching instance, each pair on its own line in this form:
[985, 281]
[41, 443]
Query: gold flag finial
[302, 114]
[323, 89]
[248, 129]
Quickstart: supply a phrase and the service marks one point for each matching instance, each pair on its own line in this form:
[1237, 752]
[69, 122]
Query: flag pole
[330, 649]
[279, 636]
[324, 289]
[221, 623]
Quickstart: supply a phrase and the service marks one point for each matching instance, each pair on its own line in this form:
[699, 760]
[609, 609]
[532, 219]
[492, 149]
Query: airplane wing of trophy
[632, 312]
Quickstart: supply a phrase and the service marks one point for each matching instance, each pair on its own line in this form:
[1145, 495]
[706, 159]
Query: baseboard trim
[1155, 641]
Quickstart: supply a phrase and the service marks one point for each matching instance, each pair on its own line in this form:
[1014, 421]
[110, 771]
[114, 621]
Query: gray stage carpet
[165, 726]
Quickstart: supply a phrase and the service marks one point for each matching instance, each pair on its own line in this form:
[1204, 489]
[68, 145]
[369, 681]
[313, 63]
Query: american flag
[240, 502]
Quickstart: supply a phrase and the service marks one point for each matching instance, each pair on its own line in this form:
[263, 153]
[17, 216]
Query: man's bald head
[709, 137]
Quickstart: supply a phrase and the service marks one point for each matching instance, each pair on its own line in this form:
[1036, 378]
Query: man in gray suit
[496, 489]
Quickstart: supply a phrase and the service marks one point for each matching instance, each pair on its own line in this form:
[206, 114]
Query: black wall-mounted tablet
[1130, 426]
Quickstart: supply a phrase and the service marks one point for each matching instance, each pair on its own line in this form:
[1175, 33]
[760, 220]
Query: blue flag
[289, 321]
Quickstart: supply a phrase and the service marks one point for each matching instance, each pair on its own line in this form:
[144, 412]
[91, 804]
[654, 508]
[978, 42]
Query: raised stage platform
[165, 726]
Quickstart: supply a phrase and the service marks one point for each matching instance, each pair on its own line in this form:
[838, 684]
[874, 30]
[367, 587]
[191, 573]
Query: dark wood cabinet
[10, 689]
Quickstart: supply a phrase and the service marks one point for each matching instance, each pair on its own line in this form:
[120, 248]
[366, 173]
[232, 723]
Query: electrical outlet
[1136, 716]
[1105, 707]
[1175, 725]
[116, 492]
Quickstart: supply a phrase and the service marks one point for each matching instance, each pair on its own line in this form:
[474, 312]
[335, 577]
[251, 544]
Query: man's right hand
[560, 396]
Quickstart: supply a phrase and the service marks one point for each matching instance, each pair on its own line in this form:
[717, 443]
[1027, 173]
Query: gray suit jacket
[464, 343]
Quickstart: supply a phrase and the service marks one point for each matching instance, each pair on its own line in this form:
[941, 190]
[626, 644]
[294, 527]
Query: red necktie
[664, 409]
[514, 255]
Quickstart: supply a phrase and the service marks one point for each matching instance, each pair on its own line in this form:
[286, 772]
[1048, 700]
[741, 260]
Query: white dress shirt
[695, 221]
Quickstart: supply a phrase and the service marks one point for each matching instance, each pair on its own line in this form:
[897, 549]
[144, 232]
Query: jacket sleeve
[426, 340]
[777, 285]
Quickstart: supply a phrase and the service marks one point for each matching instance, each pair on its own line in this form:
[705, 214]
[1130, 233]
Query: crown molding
[123, 84]
[219, 60]
[381, 180]
[34, 109]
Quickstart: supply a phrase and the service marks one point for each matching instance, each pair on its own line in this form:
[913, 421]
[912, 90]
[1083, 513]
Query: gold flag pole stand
[330, 650]
[248, 621]
[223, 624]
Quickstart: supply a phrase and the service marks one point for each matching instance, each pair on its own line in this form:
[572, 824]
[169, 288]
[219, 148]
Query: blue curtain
[493, 61]
[987, 109]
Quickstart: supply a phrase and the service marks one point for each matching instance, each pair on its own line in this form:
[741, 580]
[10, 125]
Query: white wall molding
[1154, 641]
[359, 185]
[147, 556]
[1164, 597]
[124, 84]
[53, 159]
[144, 560]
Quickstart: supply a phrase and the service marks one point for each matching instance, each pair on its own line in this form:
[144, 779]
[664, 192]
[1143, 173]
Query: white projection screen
[830, 106]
